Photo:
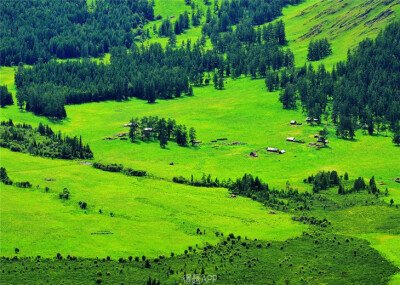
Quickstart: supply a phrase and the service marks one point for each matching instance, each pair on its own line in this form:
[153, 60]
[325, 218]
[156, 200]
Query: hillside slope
[344, 22]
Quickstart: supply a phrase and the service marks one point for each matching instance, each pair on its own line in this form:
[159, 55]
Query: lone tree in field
[192, 135]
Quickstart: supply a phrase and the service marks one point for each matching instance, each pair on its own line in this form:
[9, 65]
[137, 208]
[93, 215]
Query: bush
[25, 184]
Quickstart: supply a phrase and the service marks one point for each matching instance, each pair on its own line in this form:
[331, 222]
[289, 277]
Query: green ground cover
[311, 259]
[243, 112]
[151, 216]
[345, 24]
[154, 216]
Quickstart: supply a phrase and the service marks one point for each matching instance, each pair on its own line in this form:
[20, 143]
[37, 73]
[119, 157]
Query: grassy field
[345, 23]
[154, 216]
[151, 216]
[243, 112]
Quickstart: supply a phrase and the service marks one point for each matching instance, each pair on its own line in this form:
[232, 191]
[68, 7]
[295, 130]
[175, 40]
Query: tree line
[225, 14]
[36, 31]
[150, 72]
[42, 141]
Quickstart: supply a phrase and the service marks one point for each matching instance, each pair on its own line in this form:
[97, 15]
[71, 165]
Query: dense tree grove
[164, 130]
[42, 141]
[363, 92]
[167, 28]
[319, 49]
[253, 187]
[5, 96]
[149, 72]
[323, 180]
[37, 30]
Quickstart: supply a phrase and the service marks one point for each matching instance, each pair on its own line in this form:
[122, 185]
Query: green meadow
[244, 112]
[345, 24]
[150, 216]
[153, 216]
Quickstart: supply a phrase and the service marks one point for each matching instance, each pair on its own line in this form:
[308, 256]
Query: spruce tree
[192, 135]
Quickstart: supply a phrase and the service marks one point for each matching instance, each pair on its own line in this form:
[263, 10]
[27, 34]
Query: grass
[242, 112]
[152, 216]
[345, 24]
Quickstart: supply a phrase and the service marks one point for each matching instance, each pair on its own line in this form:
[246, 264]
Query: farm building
[282, 151]
[293, 122]
[290, 139]
[308, 119]
[272, 149]
[148, 129]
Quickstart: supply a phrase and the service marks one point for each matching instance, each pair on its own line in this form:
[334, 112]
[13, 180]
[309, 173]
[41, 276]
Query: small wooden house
[233, 195]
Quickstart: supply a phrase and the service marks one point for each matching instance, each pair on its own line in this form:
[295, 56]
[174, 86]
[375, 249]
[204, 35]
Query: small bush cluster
[119, 168]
